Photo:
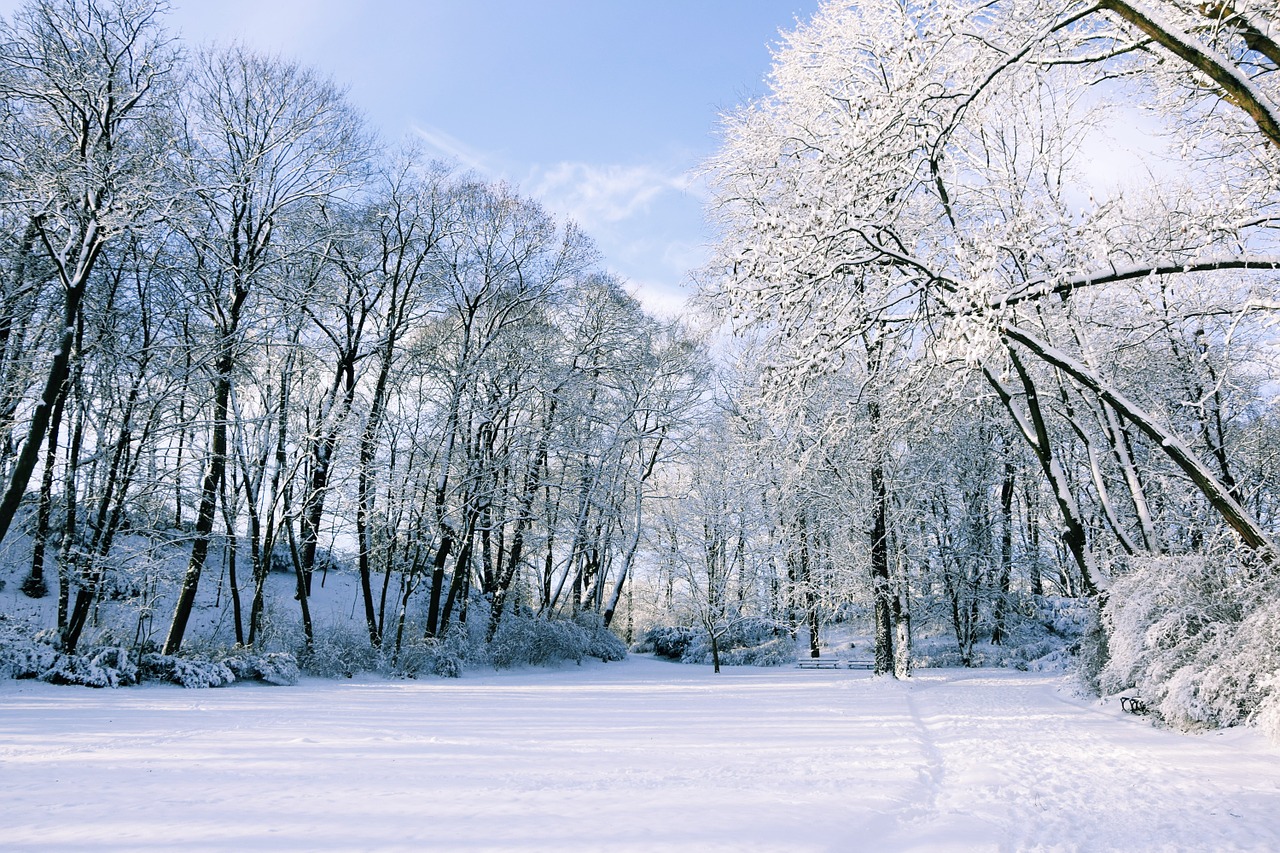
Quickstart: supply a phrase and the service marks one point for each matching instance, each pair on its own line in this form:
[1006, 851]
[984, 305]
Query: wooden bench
[834, 663]
[819, 663]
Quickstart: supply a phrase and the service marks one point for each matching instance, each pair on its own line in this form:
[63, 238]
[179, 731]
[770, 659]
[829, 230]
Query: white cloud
[596, 195]
[641, 217]
[660, 299]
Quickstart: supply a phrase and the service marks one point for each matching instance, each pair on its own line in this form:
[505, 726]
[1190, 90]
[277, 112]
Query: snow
[638, 755]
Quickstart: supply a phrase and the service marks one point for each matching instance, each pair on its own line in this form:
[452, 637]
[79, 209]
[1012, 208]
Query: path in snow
[641, 755]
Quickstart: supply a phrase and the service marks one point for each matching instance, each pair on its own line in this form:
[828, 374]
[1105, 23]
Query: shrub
[1197, 636]
[779, 651]
[189, 672]
[667, 641]
[20, 655]
[33, 587]
[1267, 717]
[743, 642]
[1093, 653]
[427, 657]
[602, 643]
[1064, 616]
[109, 667]
[279, 668]
[336, 652]
[530, 641]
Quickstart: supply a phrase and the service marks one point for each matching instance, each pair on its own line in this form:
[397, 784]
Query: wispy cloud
[452, 148]
[596, 195]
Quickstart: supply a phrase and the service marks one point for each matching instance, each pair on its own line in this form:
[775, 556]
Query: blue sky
[599, 108]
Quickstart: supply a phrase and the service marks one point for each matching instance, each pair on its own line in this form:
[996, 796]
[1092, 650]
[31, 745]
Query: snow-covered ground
[639, 755]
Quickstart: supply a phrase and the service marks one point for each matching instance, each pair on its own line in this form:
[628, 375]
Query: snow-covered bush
[530, 641]
[1063, 615]
[667, 641]
[338, 651]
[22, 654]
[1093, 653]
[602, 643]
[272, 667]
[742, 642]
[186, 671]
[75, 669]
[1198, 637]
[780, 651]
[109, 667]
[427, 657]
[1267, 717]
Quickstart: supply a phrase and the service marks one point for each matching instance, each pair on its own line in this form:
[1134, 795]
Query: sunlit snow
[641, 755]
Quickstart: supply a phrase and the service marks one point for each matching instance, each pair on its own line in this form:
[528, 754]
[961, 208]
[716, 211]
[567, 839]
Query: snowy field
[641, 755]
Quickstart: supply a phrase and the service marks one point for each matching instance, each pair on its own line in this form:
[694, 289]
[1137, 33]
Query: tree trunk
[461, 573]
[882, 587]
[1006, 551]
[1037, 436]
[35, 585]
[69, 546]
[228, 518]
[59, 372]
[437, 579]
[365, 496]
[524, 514]
[211, 488]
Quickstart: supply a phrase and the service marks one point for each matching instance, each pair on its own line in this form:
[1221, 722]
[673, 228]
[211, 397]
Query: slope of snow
[641, 755]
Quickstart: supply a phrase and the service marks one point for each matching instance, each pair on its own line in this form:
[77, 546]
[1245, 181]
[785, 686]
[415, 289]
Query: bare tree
[86, 85]
[266, 140]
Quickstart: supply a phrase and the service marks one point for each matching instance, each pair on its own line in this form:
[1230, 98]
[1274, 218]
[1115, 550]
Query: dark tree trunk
[1006, 552]
[524, 513]
[108, 518]
[882, 587]
[35, 585]
[70, 521]
[228, 519]
[437, 580]
[1036, 434]
[59, 373]
[461, 571]
[211, 488]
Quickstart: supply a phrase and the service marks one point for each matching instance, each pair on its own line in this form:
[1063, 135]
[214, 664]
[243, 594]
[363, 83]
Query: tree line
[235, 322]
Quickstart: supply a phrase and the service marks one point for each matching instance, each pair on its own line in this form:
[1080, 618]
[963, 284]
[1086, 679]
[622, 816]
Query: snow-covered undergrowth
[121, 640]
[1198, 638]
[742, 642]
[336, 652]
[24, 656]
[639, 755]
[121, 644]
[1043, 633]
